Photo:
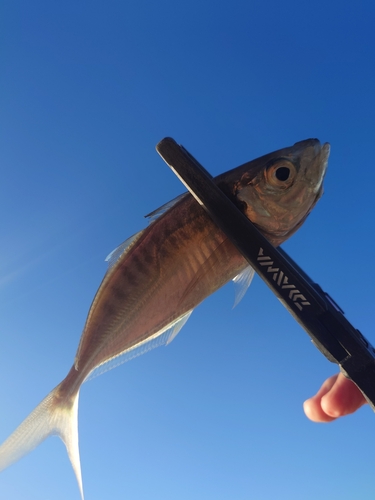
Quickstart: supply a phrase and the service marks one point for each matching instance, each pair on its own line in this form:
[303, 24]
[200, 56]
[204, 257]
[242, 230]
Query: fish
[158, 276]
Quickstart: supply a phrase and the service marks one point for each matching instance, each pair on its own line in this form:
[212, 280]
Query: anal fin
[162, 337]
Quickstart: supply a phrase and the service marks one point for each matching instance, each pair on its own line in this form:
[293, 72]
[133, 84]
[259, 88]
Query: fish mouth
[316, 157]
[322, 156]
[314, 164]
[315, 173]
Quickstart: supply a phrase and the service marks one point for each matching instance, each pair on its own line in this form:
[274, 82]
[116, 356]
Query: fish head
[278, 191]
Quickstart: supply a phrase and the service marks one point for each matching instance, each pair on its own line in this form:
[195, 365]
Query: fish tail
[55, 415]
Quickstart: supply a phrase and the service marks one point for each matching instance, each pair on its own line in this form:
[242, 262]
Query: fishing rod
[313, 308]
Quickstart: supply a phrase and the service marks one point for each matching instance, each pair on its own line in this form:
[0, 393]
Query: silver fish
[157, 277]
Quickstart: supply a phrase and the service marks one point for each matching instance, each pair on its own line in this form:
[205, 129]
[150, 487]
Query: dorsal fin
[241, 283]
[152, 216]
[114, 256]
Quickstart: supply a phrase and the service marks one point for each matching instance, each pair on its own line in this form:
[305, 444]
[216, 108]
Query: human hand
[337, 397]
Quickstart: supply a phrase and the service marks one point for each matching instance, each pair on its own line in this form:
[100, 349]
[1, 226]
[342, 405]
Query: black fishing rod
[313, 308]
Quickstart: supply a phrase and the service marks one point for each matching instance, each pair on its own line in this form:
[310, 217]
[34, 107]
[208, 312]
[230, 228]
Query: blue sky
[87, 89]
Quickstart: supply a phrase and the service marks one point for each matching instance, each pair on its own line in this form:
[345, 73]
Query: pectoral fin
[241, 283]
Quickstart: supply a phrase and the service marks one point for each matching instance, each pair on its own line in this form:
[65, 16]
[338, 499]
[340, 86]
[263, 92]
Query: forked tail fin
[53, 416]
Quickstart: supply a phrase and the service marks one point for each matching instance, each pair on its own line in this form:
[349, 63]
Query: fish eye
[281, 174]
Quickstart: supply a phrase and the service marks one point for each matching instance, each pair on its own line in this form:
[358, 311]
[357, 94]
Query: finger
[342, 399]
[337, 397]
[313, 408]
